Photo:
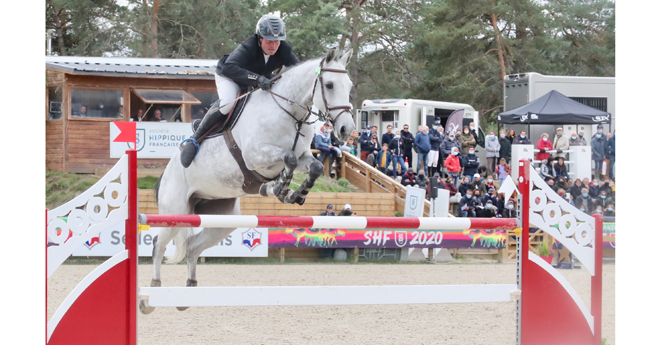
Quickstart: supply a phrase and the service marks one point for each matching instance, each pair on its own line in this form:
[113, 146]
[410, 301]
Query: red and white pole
[132, 247]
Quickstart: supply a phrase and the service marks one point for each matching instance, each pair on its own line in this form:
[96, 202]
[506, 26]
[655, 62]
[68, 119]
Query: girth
[252, 180]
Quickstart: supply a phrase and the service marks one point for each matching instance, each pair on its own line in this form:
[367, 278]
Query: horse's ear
[331, 55]
[346, 58]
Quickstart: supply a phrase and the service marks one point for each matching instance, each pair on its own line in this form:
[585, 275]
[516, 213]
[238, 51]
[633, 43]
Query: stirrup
[194, 141]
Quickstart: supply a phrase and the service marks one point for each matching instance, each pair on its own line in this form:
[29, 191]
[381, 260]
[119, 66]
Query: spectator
[489, 210]
[408, 141]
[482, 171]
[435, 137]
[346, 211]
[470, 164]
[423, 145]
[598, 210]
[453, 165]
[599, 130]
[551, 184]
[503, 170]
[561, 183]
[582, 139]
[547, 170]
[157, 116]
[387, 137]
[448, 143]
[422, 181]
[478, 185]
[505, 147]
[562, 193]
[462, 189]
[576, 189]
[598, 153]
[350, 146]
[454, 195]
[323, 143]
[510, 211]
[576, 141]
[466, 140]
[138, 116]
[491, 195]
[606, 187]
[473, 131]
[609, 211]
[491, 183]
[492, 152]
[328, 211]
[408, 178]
[560, 143]
[466, 207]
[522, 139]
[603, 200]
[365, 140]
[397, 148]
[594, 188]
[384, 159]
[543, 145]
[511, 136]
[584, 201]
[560, 168]
[335, 141]
[478, 202]
[610, 151]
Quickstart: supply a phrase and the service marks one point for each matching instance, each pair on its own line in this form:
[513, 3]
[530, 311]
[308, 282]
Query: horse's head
[333, 90]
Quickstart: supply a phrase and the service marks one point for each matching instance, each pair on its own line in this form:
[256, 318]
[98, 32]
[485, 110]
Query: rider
[250, 65]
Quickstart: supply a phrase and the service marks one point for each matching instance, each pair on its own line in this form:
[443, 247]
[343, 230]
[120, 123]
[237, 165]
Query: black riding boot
[190, 147]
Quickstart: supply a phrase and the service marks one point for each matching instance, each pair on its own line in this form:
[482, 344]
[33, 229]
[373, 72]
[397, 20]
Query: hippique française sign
[342, 238]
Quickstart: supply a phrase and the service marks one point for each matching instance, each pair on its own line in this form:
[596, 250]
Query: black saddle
[229, 121]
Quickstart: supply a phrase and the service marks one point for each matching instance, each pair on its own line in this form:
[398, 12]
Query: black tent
[554, 108]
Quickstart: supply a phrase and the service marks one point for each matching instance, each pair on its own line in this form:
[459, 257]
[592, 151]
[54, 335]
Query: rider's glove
[264, 83]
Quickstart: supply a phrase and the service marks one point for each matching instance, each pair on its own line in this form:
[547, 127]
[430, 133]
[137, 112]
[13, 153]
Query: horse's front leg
[267, 156]
[306, 163]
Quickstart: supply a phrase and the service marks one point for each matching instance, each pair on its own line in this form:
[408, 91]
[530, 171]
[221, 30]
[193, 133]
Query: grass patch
[324, 184]
[147, 182]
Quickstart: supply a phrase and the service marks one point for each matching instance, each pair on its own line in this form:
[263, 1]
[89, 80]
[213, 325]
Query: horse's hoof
[155, 283]
[191, 282]
[144, 309]
[300, 200]
[181, 308]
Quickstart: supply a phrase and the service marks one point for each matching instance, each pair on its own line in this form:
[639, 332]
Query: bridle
[321, 115]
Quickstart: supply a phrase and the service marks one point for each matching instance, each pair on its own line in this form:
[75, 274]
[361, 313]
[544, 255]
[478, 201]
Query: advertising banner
[154, 139]
[242, 242]
[414, 202]
[342, 238]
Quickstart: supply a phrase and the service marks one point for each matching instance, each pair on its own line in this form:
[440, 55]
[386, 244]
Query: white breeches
[227, 92]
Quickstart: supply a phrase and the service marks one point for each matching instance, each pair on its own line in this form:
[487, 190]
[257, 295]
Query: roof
[554, 108]
[134, 67]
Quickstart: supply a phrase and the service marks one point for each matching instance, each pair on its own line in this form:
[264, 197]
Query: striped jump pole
[320, 222]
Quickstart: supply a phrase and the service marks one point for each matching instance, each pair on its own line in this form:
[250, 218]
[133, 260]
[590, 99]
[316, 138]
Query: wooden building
[85, 94]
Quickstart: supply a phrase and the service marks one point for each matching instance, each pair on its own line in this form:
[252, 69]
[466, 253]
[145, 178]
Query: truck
[596, 92]
[415, 112]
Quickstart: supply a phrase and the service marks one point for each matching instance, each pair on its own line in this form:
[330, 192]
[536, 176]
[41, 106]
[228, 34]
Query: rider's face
[269, 47]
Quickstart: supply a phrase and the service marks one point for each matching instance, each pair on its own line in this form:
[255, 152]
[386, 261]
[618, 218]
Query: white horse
[265, 133]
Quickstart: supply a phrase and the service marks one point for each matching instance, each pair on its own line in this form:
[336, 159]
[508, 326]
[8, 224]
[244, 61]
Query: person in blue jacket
[598, 144]
[470, 164]
[611, 151]
[423, 144]
[323, 142]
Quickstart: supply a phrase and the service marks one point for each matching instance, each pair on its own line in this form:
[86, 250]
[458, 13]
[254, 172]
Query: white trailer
[413, 112]
[596, 92]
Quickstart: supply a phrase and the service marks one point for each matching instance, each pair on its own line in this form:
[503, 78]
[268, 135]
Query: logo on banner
[401, 238]
[140, 139]
[600, 118]
[413, 202]
[523, 118]
[251, 238]
[91, 243]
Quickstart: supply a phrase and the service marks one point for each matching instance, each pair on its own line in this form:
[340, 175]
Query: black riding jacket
[246, 63]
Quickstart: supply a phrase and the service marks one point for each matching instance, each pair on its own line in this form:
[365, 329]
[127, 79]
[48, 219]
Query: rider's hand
[264, 83]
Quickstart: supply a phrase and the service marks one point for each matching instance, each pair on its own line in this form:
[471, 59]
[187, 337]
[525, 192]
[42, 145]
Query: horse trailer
[596, 92]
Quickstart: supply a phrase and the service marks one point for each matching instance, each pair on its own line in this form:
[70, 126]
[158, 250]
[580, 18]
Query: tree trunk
[59, 31]
[500, 54]
[154, 29]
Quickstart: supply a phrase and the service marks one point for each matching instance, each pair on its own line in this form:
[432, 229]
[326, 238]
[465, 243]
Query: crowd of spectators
[451, 159]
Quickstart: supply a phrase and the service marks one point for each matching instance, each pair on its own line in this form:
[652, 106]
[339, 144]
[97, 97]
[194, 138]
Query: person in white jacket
[492, 152]
[561, 143]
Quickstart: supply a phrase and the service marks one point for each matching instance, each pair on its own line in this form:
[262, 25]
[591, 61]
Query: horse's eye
[329, 86]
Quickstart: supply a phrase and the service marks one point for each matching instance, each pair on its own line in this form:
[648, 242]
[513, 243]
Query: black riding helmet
[271, 28]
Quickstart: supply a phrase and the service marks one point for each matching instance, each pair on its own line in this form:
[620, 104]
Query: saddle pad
[233, 116]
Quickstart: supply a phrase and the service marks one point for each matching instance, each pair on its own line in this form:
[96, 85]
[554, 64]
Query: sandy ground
[483, 323]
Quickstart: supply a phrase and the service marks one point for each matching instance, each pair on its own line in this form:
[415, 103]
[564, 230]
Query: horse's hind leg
[208, 237]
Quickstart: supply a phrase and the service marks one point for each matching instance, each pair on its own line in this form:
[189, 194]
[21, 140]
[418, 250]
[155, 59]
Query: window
[166, 97]
[97, 103]
[599, 103]
[54, 102]
[388, 115]
[364, 118]
[199, 110]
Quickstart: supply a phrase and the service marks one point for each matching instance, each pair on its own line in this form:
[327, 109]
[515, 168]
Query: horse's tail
[181, 243]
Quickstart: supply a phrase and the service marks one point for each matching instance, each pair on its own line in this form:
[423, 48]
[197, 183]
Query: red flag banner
[127, 132]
